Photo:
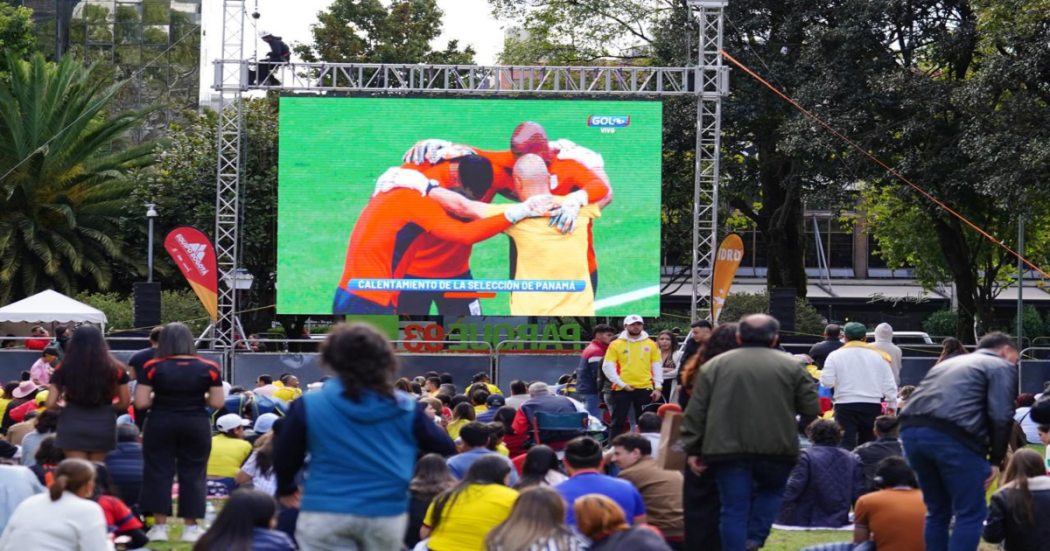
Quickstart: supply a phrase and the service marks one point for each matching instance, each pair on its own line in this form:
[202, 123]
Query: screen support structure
[708, 81]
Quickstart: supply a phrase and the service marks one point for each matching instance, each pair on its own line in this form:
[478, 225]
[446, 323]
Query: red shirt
[440, 259]
[119, 517]
[37, 344]
[386, 237]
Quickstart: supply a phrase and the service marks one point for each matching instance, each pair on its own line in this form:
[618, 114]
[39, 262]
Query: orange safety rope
[882, 164]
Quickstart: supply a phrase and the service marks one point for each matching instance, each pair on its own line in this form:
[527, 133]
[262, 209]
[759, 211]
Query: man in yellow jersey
[634, 366]
[542, 254]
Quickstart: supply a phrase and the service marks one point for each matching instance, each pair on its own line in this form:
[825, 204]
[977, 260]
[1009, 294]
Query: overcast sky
[469, 21]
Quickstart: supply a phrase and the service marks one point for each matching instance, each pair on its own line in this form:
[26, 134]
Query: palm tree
[66, 182]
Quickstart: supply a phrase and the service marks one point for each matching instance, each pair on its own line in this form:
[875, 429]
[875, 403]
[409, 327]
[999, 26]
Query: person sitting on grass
[462, 414]
[536, 523]
[1019, 510]
[475, 440]
[886, 444]
[602, 521]
[246, 523]
[48, 456]
[661, 489]
[63, 518]
[431, 479]
[894, 515]
[825, 483]
[541, 467]
[258, 469]
[120, 519]
[229, 451]
[461, 518]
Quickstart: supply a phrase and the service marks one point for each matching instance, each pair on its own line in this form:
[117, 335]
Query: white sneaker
[159, 532]
[191, 533]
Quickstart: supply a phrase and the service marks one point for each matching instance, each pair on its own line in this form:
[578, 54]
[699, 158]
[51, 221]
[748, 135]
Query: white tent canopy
[51, 307]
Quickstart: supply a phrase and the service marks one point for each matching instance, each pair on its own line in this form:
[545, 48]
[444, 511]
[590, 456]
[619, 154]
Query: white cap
[633, 318]
[263, 33]
[230, 421]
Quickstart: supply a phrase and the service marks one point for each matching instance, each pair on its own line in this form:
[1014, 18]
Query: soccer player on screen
[540, 251]
[576, 173]
[386, 235]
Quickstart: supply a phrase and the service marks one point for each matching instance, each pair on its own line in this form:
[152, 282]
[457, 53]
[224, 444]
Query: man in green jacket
[741, 424]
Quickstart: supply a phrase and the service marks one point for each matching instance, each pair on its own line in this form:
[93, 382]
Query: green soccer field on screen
[464, 207]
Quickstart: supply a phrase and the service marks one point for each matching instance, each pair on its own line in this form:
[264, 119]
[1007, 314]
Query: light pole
[150, 215]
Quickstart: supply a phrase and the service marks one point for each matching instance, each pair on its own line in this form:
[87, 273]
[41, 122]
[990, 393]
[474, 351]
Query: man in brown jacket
[661, 489]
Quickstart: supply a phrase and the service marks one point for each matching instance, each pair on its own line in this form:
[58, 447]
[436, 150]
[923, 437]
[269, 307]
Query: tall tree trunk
[781, 221]
[957, 253]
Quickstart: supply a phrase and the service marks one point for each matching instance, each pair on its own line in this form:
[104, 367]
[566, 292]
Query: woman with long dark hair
[431, 479]
[541, 468]
[1019, 510]
[700, 495]
[515, 442]
[258, 469]
[671, 358]
[244, 524]
[950, 348]
[536, 523]
[95, 387]
[176, 387]
[460, 519]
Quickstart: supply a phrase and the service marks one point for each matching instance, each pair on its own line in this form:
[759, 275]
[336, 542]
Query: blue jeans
[591, 402]
[952, 480]
[750, 490]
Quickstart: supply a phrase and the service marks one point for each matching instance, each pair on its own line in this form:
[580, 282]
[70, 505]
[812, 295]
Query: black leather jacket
[970, 398]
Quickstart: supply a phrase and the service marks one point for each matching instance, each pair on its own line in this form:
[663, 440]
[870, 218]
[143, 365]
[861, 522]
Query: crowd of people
[647, 446]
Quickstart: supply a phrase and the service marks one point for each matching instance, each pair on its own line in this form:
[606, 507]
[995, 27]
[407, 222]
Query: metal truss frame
[708, 81]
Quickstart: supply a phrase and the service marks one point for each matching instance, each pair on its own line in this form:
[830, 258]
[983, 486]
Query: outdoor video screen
[496, 207]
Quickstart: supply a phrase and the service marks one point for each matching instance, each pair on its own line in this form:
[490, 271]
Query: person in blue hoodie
[363, 438]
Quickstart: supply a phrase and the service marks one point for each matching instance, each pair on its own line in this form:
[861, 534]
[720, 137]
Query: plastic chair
[551, 428]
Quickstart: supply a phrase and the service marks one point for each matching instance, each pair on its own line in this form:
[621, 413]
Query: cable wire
[878, 161]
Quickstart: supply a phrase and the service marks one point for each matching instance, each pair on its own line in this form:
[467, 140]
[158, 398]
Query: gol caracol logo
[195, 251]
[609, 123]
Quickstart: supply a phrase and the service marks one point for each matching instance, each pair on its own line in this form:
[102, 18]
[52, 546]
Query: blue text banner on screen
[453, 285]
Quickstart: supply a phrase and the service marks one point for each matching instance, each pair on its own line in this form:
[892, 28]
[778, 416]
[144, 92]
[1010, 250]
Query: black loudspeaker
[147, 305]
[782, 307]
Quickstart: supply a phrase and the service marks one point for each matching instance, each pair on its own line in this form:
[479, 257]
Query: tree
[975, 135]
[366, 31]
[65, 186]
[16, 33]
[183, 188]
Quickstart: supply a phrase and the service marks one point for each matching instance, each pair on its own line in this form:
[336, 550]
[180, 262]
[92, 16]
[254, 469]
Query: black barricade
[914, 369]
[1033, 374]
[14, 362]
[308, 370]
[533, 367]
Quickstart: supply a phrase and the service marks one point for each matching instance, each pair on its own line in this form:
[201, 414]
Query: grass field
[333, 150]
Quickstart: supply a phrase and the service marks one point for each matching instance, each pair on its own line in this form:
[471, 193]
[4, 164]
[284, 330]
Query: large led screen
[469, 207]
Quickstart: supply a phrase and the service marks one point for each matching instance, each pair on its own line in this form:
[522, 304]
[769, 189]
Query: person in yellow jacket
[634, 366]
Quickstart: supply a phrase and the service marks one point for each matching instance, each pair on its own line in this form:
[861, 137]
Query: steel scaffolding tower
[708, 81]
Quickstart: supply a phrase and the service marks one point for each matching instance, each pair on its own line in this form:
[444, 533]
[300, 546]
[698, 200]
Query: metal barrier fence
[534, 365]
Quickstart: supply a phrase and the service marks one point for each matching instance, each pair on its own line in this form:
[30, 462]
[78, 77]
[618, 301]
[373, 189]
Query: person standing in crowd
[862, 379]
[671, 359]
[832, 342]
[661, 489]
[125, 464]
[229, 450]
[536, 523]
[542, 401]
[461, 518]
[175, 388]
[519, 393]
[603, 521]
[431, 479]
[950, 348]
[95, 387]
[246, 522]
[884, 342]
[700, 496]
[475, 438]
[699, 331]
[137, 363]
[1020, 508]
[63, 518]
[887, 443]
[583, 460]
[893, 516]
[825, 483]
[751, 466]
[40, 372]
[955, 431]
[362, 438]
[590, 366]
[634, 367]
[541, 467]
